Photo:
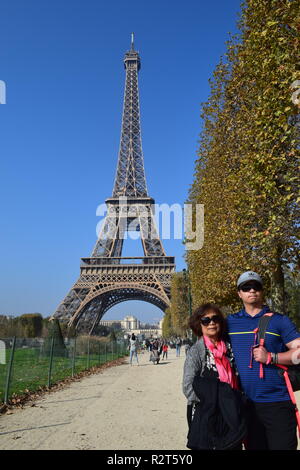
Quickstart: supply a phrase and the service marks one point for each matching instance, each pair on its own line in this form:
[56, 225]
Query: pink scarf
[222, 363]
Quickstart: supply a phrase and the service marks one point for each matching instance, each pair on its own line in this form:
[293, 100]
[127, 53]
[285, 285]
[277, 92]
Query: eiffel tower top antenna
[130, 178]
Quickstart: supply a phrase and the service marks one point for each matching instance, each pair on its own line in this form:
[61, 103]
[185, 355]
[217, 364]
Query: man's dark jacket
[219, 421]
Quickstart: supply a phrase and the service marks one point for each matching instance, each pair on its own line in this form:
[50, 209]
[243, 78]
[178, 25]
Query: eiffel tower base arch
[95, 293]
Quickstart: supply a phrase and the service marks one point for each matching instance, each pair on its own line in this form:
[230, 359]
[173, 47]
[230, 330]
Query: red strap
[291, 393]
[285, 374]
[261, 343]
[261, 371]
[261, 366]
[254, 344]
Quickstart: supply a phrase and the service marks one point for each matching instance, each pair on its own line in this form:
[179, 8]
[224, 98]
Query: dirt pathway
[123, 407]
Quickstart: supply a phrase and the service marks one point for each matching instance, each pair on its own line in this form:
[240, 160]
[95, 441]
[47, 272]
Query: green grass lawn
[31, 368]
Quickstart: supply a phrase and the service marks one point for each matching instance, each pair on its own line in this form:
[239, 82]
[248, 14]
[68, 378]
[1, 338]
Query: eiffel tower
[107, 278]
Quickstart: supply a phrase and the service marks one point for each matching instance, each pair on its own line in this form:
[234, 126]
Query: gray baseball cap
[249, 276]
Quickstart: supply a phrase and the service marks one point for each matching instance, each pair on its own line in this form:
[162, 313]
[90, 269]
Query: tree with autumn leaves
[247, 171]
[176, 316]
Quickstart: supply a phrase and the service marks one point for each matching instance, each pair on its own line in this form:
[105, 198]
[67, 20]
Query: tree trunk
[278, 294]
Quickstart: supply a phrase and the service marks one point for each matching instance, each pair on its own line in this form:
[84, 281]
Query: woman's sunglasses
[206, 320]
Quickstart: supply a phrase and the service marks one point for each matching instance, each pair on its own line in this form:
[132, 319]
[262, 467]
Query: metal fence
[29, 364]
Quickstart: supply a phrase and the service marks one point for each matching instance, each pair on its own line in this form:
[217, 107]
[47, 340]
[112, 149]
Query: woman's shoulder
[197, 349]
[195, 358]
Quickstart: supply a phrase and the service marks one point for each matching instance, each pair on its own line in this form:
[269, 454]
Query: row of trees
[29, 325]
[34, 325]
[247, 171]
[175, 322]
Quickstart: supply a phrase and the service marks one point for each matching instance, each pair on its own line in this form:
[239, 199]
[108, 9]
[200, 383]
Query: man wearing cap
[272, 420]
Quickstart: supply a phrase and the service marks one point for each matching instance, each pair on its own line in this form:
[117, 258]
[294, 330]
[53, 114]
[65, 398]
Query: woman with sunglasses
[210, 362]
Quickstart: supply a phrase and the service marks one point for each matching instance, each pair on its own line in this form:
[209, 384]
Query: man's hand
[260, 354]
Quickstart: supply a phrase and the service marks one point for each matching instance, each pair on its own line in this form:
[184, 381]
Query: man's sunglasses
[255, 286]
[206, 320]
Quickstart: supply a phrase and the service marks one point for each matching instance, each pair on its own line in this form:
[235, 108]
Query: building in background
[110, 323]
[131, 324]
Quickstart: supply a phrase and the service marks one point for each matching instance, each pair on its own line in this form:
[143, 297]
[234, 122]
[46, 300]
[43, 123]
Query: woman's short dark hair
[195, 319]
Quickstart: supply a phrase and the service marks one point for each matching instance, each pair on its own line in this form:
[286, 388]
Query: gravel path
[123, 407]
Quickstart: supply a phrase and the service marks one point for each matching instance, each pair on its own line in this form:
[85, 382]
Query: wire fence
[28, 364]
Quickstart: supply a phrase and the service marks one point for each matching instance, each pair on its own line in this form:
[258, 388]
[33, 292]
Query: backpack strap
[262, 327]
[261, 333]
[291, 393]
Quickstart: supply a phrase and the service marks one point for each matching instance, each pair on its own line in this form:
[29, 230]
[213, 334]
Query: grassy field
[31, 368]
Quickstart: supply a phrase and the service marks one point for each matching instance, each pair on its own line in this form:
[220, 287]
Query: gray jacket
[194, 362]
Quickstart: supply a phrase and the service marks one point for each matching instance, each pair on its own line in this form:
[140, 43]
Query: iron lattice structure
[107, 278]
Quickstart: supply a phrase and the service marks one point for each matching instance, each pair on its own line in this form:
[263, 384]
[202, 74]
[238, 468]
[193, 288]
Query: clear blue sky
[60, 128]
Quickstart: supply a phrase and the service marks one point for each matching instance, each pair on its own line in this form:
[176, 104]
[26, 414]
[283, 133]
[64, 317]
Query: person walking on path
[178, 346]
[133, 349]
[155, 354]
[208, 363]
[271, 420]
[165, 351]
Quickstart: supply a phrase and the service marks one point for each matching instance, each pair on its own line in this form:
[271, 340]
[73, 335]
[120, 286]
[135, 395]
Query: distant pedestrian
[178, 346]
[165, 350]
[155, 354]
[133, 349]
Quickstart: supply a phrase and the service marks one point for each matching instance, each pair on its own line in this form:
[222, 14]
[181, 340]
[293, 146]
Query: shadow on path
[38, 427]
[74, 399]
